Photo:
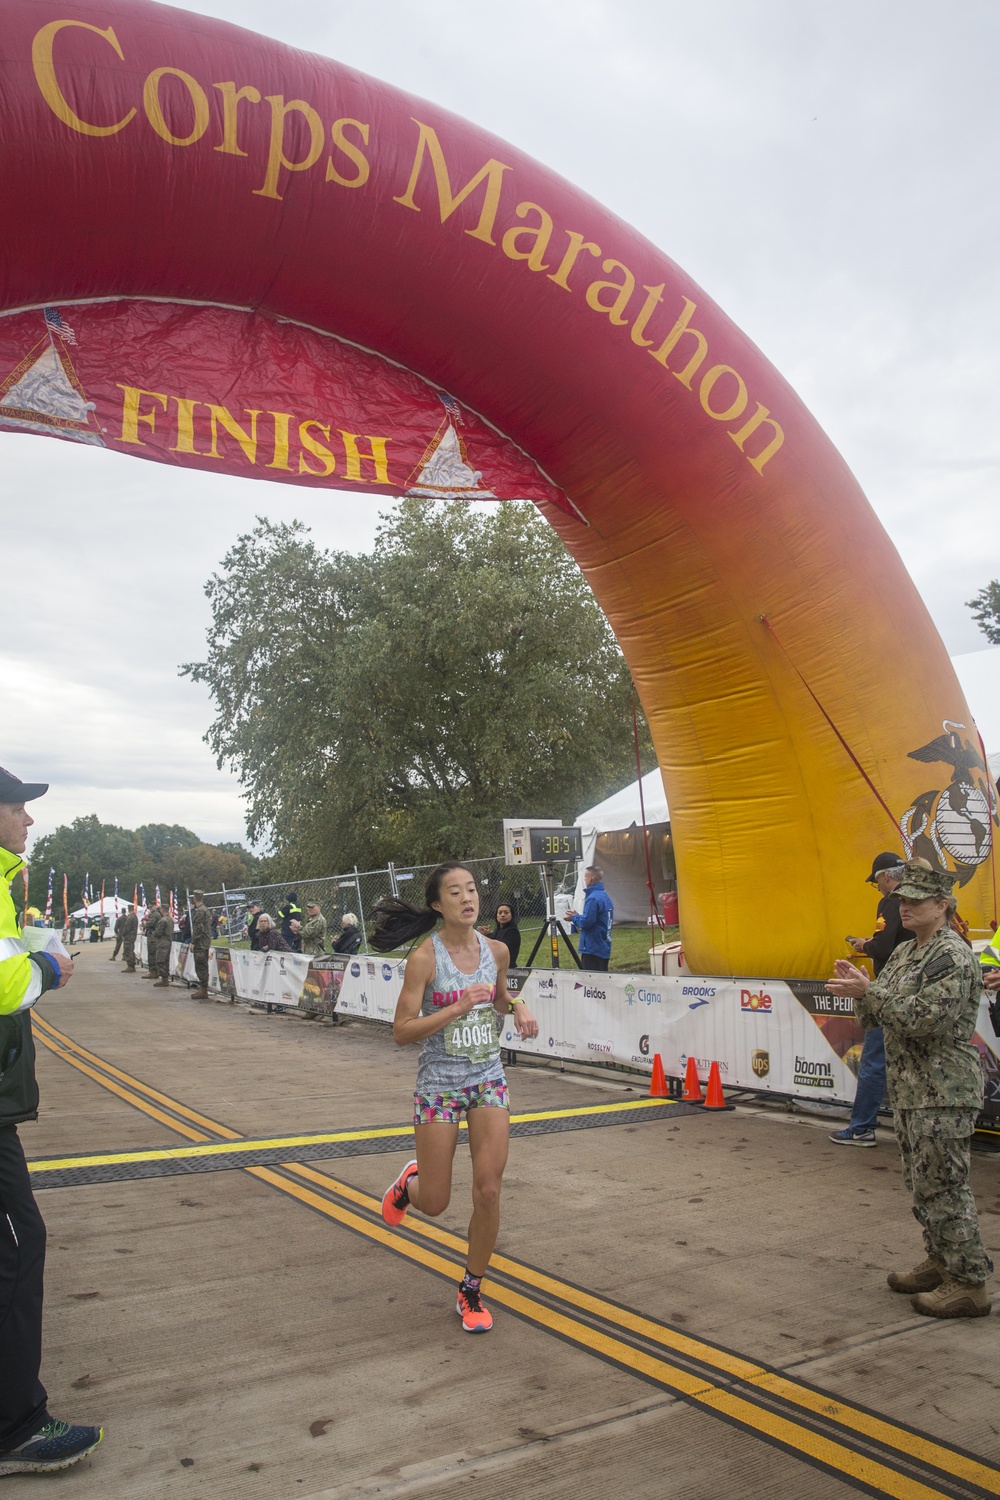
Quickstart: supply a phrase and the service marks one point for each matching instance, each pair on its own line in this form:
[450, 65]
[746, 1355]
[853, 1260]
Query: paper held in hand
[43, 940]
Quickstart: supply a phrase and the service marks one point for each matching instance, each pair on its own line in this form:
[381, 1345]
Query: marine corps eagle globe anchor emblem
[953, 828]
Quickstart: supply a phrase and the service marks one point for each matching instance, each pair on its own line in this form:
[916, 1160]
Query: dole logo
[751, 1002]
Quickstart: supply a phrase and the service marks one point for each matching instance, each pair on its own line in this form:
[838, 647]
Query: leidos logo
[760, 1061]
[751, 1003]
[589, 992]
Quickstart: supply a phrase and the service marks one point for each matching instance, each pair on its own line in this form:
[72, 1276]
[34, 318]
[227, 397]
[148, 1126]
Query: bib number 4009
[473, 1036]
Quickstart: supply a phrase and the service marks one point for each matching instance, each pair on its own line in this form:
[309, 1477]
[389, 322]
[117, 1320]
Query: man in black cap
[31, 1442]
[886, 873]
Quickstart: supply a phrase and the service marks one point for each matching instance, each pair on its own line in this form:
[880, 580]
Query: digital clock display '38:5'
[555, 843]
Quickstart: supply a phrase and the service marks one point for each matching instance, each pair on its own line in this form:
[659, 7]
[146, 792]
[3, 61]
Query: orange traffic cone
[692, 1088]
[658, 1082]
[714, 1098]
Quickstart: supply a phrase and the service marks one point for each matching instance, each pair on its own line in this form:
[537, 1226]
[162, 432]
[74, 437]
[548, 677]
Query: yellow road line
[50, 1033]
[695, 1387]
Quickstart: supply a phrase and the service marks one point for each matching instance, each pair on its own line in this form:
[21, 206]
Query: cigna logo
[759, 1004]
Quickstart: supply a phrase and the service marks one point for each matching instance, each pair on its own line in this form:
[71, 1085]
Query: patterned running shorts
[448, 1107]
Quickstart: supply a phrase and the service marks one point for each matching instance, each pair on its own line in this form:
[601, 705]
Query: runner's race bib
[474, 1036]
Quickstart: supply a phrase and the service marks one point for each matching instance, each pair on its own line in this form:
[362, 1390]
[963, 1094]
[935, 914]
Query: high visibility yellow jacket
[23, 976]
[990, 956]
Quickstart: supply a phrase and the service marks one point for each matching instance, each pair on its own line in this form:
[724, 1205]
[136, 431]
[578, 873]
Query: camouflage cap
[919, 883]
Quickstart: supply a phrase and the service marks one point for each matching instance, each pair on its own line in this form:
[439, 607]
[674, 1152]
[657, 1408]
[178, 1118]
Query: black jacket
[511, 935]
[349, 940]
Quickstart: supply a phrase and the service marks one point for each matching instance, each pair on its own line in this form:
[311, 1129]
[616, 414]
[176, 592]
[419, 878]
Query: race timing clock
[554, 843]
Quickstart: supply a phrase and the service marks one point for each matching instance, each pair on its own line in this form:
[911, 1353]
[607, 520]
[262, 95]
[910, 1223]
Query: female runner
[454, 989]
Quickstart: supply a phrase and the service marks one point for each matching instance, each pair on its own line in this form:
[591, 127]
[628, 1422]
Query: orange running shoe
[475, 1317]
[396, 1201]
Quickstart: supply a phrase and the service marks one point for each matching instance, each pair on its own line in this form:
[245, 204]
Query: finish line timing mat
[855, 1444]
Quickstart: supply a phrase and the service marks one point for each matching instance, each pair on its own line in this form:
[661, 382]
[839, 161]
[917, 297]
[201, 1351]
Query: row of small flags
[88, 899]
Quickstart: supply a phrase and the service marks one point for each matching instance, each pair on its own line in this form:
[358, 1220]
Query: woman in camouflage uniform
[927, 1001]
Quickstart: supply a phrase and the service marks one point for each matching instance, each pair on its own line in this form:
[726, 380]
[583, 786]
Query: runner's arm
[524, 1022]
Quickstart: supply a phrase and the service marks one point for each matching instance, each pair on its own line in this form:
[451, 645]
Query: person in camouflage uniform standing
[119, 930]
[201, 941]
[163, 936]
[129, 933]
[149, 922]
[313, 929]
[926, 999]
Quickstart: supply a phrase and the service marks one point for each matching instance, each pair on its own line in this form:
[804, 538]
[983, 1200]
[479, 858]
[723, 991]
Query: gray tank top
[468, 1050]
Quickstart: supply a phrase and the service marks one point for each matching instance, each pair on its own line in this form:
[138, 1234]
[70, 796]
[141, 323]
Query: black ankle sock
[472, 1282]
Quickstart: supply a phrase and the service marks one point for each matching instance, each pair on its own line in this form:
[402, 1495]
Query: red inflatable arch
[223, 253]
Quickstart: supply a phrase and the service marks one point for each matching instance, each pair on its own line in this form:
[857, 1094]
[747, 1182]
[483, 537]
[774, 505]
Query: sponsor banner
[220, 970]
[370, 987]
[321, 990]
[759, 1032]
[269, 978]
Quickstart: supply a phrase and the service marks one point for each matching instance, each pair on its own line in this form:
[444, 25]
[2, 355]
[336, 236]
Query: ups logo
[760, 1061]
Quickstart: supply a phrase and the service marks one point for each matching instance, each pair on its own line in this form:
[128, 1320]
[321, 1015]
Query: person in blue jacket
[594, 922]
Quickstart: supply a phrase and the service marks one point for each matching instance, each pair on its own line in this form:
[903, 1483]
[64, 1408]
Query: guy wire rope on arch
[204, 169]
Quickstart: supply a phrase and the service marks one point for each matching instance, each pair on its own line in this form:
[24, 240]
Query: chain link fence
[357, 891]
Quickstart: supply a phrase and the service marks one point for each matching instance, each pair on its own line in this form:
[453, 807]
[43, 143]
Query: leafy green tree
[157, 838]
[206, 867]
[86, 846]
[400, 704]
[247, 858]
[986, 611]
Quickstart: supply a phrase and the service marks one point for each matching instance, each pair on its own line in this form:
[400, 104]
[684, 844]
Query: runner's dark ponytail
[398, 922]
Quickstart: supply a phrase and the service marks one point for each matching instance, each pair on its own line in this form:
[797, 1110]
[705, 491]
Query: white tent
[84, 913]
[612, 839]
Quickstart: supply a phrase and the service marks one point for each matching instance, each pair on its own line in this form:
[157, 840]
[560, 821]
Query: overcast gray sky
[826, 173]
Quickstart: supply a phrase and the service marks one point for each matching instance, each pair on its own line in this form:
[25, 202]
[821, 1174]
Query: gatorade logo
[644, 1045]
[755, 1004]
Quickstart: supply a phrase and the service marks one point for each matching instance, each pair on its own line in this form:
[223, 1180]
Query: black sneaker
[54, 1446]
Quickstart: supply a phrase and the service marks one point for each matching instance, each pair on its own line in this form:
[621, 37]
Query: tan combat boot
[954, 1299]
[162, 984]
[199, 994]
[923, 1278]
